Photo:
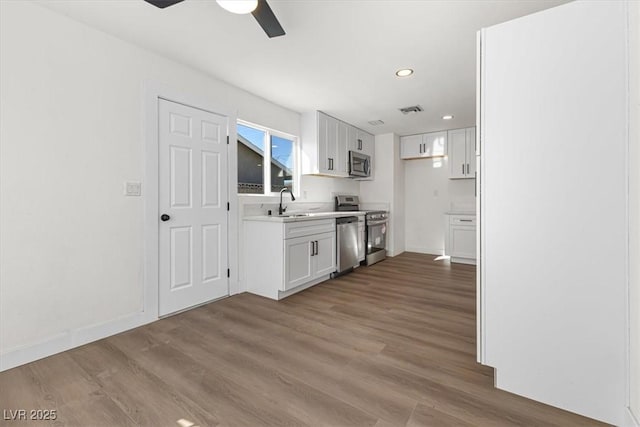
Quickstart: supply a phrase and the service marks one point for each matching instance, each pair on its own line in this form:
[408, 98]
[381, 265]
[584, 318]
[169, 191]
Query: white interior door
[192, 205]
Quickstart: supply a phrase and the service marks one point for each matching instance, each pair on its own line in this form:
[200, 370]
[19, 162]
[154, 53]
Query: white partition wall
[554, 207]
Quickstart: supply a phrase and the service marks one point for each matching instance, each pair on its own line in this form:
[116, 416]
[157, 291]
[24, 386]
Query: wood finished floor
[388, 345]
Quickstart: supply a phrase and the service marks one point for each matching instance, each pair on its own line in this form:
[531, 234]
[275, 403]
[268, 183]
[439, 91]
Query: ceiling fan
[260, 10]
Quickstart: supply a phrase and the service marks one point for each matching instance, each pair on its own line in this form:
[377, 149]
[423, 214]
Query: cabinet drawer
[306, 228]
[462, 220]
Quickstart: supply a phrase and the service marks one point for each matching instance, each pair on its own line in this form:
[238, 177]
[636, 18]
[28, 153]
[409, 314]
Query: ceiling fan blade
[267, 20]
[163, 3]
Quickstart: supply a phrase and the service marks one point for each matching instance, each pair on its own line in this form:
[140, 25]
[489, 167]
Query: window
[266, 160]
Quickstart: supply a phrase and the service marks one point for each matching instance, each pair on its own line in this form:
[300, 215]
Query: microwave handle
[367, 167]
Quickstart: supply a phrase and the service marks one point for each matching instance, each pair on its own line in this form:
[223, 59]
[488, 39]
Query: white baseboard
[425, 250]
[71, 339]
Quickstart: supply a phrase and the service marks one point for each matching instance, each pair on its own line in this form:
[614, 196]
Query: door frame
[152, 92]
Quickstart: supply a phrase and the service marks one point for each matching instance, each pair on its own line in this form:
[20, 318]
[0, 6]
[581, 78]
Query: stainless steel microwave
[359, 164]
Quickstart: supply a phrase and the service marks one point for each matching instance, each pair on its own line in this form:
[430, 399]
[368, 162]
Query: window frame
[266, 169]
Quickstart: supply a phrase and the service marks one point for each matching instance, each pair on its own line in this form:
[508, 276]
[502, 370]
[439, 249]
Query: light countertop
[460, 213]
[309, 216]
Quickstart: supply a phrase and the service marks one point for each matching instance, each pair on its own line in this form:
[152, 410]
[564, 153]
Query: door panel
[210, 184]
[297, 262]
[325, 259]
[211, 249]
[323, 144]
[193, 192]
[180, 258]
[463, 241]
[471, 152]
[180, 177]
[457, 142]
[411, 146]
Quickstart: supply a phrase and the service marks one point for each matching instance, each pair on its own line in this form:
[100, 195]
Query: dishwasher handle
[346, 220]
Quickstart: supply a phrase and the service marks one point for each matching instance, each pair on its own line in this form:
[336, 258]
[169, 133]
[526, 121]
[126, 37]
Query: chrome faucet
[281, 209]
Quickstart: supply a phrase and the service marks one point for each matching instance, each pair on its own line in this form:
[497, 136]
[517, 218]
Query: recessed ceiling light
[238, 6]
[405, 72]
[447, 117]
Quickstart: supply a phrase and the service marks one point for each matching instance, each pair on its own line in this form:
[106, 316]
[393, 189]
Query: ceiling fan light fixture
[240, 7]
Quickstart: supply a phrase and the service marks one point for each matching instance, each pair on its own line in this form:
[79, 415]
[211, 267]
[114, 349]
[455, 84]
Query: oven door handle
[378, 222]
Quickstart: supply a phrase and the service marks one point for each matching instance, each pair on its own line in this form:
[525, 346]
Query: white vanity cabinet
[282, 258]
[460, 239]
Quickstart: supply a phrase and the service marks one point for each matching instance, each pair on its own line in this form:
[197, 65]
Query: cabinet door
[457, 147]
[367, 143]
[352, 136]
[332, 160]
[339, 164]
[434, 144]
[462, 241]
[324, 261]
[411, 146]
[471, 152]
[323, 144]
[298, 267]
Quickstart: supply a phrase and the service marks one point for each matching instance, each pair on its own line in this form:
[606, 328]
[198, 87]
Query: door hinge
[228, 206]
[227, 139]
[228, 272]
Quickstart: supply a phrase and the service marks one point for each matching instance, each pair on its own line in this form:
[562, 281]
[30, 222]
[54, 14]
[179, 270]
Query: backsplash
[255, 209]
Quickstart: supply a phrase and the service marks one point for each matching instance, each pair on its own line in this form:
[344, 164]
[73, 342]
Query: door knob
[165, 217]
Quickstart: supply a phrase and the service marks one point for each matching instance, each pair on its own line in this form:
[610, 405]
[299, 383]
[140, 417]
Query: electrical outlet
[132, 188]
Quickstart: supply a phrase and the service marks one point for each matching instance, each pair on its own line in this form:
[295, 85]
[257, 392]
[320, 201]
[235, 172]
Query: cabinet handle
[463, 169]
[313, 248]
[467, 168]
[420, 148]
[316, 253]
[466, 220]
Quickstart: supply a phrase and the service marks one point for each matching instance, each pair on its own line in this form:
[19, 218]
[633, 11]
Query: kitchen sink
[296, 215]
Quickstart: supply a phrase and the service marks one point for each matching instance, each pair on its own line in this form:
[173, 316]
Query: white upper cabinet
[433, 144]
[462, 153]
[326, 142]
[323, 150]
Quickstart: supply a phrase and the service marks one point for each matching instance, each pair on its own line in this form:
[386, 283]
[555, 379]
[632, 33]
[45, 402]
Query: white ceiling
[337, 56]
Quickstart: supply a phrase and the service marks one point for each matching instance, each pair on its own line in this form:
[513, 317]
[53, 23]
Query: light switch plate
[132, 188]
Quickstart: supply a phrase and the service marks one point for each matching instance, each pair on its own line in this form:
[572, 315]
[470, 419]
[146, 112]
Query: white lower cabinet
[284, 258]
[460, 239]
[309, 257]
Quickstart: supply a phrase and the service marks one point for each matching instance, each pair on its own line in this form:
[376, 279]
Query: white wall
[386, 189]
[634, 204]
[323, 189]
[429, 194]
[71, 252]
[398, 206]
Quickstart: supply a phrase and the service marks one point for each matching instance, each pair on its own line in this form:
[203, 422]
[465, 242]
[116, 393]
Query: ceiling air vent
[376, 122]
[412, 109]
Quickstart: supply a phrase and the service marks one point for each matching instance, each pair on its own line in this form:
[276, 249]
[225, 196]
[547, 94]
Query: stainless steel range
[376, 227]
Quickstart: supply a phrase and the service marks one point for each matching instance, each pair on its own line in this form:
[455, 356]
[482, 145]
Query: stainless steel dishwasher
[347, 244]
